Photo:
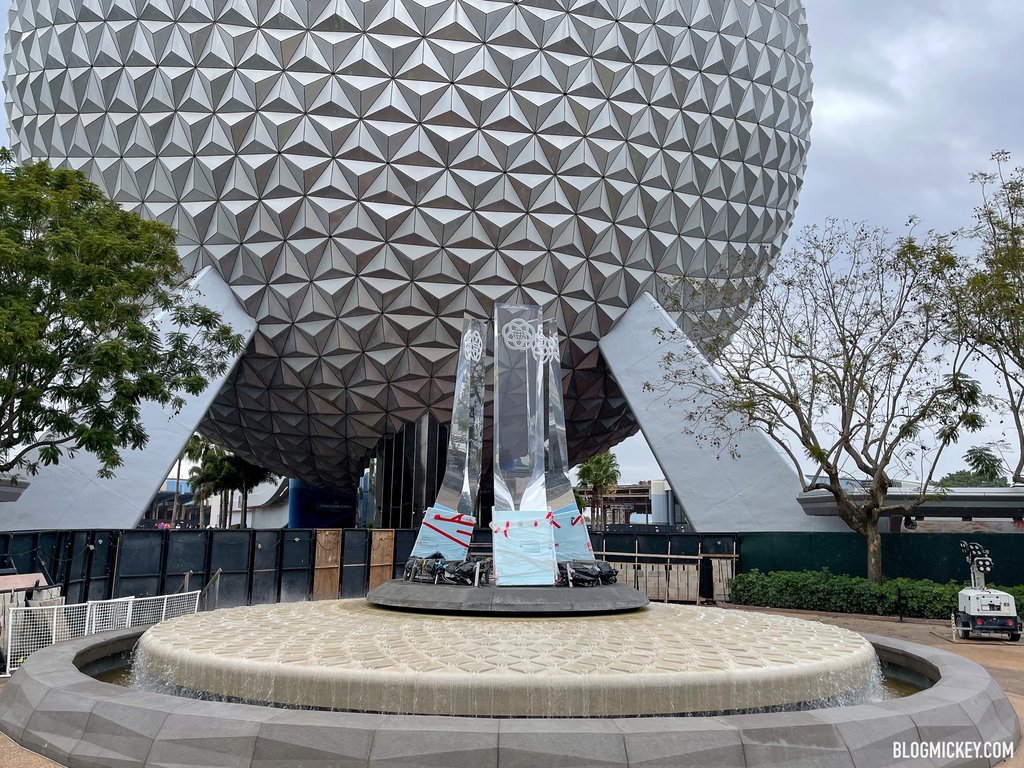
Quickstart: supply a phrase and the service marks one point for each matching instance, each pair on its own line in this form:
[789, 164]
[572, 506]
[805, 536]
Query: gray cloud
[910, 98]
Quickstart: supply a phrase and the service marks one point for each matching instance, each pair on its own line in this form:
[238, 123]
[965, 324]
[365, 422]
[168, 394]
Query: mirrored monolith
[447, 526]
[523, 542]
[518, 409]
[572, 540]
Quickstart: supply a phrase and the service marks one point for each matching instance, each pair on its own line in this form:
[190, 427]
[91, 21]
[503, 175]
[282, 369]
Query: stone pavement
[13, 756]
[1003, 660]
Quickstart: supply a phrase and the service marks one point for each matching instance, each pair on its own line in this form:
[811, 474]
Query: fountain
[516, 671]
[661, 660]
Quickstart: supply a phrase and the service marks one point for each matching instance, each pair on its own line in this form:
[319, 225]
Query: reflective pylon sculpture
[572, 541]
[447, 526]
[519, 349]
[523, 542]
[535, 521]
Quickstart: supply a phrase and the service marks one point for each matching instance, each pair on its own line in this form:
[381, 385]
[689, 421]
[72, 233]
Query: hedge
[825, 591]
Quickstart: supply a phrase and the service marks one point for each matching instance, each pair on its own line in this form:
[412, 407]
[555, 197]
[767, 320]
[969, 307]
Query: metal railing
[209, 597]
[29, 629]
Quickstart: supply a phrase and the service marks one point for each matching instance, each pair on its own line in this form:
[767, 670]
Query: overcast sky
[910, 97]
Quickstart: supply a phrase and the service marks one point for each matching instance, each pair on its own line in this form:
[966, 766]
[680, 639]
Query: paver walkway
[1004, 661]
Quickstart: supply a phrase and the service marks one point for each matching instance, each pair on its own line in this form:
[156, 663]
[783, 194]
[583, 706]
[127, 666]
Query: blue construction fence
[281, 565]
[934, 556]
[256, 566]
[267, 566]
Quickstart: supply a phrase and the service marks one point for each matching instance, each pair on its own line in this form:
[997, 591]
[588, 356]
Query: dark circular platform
[445, 598]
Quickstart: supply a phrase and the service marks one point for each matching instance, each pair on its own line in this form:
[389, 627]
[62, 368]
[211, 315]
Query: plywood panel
[382, 556]
[653, 581]
[723, 570]
[627, 573]
[327, 564]
[683, 582]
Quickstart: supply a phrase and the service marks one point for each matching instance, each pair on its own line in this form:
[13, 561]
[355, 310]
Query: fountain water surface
[663, 659]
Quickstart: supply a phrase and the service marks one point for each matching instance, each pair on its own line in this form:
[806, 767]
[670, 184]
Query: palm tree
[248, 476]
[601, 474]
[208, 477]
[194, 450]
[223, 472]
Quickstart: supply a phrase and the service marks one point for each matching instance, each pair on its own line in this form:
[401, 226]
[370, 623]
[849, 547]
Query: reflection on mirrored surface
[572, 540]
[461, 481]
[447, 526]
[519, 357]
[559, 488]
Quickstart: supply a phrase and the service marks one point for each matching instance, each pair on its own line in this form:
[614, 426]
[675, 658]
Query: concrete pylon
[756, 492]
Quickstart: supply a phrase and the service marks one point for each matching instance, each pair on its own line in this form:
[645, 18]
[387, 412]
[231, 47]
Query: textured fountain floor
[663, 659]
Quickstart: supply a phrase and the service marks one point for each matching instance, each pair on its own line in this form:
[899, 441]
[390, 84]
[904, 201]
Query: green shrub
[825, 591]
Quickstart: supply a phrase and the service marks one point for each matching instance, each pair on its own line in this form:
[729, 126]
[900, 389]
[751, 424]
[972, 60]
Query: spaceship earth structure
[364, 172]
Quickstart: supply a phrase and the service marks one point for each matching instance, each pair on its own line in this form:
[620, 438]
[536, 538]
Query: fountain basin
[51, 707]
[490, 598]
[663, 659]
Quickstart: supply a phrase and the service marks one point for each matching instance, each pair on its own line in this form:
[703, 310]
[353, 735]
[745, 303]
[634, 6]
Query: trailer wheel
[1014, 637]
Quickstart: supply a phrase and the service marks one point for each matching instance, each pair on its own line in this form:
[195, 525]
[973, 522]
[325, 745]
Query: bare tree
[841, 362]
[990, 308]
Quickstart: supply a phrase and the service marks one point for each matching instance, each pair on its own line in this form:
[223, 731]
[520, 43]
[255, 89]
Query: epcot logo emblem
[518, 334]
[545, 348]
[474, 346]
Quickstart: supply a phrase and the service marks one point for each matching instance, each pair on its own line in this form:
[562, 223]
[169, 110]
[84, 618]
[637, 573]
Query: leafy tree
[984, 462]
[601, 474]
[82, 285]
[966, 478]
[990, 308]
[840, 362]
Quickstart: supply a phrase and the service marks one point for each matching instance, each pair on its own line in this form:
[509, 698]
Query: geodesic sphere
[363, 172]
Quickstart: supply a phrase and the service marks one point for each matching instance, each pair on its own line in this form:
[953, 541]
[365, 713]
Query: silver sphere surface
[364, 172]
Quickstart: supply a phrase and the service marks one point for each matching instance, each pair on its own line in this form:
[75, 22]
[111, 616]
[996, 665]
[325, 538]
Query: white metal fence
[29, 629]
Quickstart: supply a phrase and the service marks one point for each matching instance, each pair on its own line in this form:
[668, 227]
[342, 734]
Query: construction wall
[934, 556]
[280, 565]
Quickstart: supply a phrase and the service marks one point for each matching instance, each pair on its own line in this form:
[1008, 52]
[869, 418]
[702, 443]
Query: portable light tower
[981, 610]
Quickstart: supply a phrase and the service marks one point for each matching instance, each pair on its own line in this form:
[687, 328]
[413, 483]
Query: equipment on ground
[586, 573]
[981, 610]
[436, 570]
